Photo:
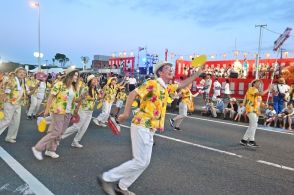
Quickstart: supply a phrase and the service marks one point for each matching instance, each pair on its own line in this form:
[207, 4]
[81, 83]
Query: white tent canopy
[51, 70]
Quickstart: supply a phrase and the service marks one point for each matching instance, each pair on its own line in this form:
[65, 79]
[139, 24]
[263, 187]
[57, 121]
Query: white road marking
[5, 187]
[219, 151]
[193, 144]
[199, 146]
[24, 190]
[276, 130]
[275, 165]
[34, 184]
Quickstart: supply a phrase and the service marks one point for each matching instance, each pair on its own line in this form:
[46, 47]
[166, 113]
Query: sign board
[282, 38]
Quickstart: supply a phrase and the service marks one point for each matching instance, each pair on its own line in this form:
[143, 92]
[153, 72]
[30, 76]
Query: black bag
[281, 95]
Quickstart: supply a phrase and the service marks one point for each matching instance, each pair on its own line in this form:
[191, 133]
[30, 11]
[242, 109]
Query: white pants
[119, 103]
[35, 105]
[128, 172]
[11, 120]
[106, 108]
[80, 127]
[250, 133]
[183, 112]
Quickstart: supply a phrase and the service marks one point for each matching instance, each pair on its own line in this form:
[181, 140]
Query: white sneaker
[76, 144]
[103, 125]
[99, 123]
[38, 155]
[51, 154]
[95, 120]
[12, 141]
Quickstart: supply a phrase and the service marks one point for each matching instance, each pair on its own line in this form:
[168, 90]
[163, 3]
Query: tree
[85, 60]
[61, 58]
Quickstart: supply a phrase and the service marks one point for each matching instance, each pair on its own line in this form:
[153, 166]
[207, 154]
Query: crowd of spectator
[278, 113]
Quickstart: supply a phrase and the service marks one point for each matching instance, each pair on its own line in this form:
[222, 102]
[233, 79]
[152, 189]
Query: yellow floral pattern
[2, 95]
[110, 93]
[32, 84]
[88, 102]
[121, 96]
[13, 96]
[187, 98]
[153, 98]
[59, 103]
[251, 100]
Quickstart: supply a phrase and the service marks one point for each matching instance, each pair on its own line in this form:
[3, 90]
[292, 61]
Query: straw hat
[69, 70]
[20, 68]
[90, 77]
[110, 79]
[159, 65]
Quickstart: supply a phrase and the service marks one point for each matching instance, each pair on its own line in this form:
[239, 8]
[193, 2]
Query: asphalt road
[204, 158]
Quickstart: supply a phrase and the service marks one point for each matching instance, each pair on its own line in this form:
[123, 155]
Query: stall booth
[241, 73]
[127, 64]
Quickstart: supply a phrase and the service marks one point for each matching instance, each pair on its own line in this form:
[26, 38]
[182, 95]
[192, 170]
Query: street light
[37, 5]
[38, 55]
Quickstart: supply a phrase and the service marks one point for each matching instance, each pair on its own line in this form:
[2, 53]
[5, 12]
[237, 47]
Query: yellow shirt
[186, 96]
[2, 95]
[110, 93]
[32, 83]
[153, 98]
[13, 92]
[59, 103]
[121, 96]
[251, 100]
[88, 102]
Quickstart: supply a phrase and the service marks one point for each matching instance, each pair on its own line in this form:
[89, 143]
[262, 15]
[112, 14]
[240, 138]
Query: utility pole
[259, 45]
[282, 50]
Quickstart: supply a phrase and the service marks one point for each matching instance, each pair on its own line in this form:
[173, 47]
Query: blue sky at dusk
[87, 27]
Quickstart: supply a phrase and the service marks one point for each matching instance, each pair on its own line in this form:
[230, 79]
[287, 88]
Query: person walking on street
[16, 95]
[61, 102]
[109, 91]
[252, 104]
[38, 91]
[187, 98]
[89, 96]
[120, 99]
[150, 117]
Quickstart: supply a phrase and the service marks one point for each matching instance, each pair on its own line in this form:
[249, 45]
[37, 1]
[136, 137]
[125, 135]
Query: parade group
[71, 99]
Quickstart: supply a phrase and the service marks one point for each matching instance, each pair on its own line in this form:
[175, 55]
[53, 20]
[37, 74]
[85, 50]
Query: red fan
[75, 118]
[113, 125]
